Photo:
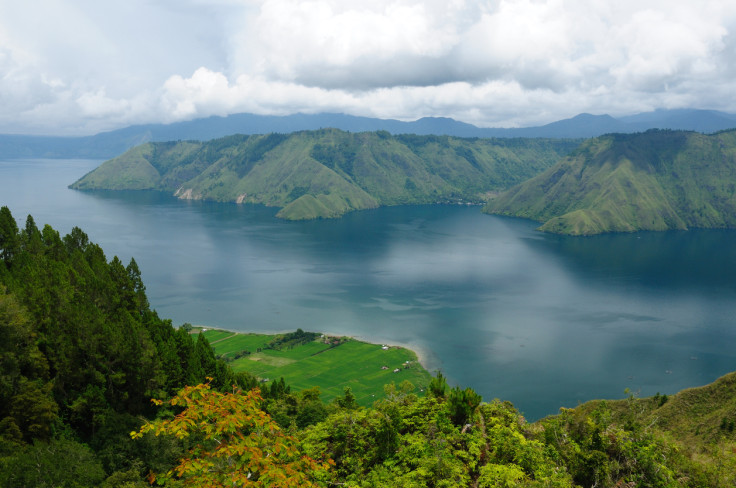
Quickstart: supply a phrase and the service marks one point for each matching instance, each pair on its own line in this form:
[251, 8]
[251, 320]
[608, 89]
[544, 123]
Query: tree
[438, 386]
[235, 443]
[348, 401]
[60, 463]
[8, 236]
[462, 404]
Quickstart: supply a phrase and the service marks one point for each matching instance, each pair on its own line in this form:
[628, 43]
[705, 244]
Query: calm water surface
[544, 321]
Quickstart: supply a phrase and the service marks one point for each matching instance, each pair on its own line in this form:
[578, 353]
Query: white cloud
[98, 105]
[660, 50]
[346, 43]
[87, 66]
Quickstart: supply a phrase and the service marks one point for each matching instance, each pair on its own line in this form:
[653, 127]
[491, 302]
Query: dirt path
[223, 339]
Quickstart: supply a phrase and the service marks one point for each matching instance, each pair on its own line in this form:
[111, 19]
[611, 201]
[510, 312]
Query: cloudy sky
[82, 66]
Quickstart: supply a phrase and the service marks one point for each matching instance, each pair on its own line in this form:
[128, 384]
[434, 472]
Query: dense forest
[82, 355]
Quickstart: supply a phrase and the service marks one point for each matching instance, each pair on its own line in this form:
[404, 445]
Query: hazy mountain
[705, 121]
[325, 173]
[657, 180]
[110, 144]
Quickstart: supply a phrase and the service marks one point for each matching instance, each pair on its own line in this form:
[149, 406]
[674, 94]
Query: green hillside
[698, 425]
[325, 173]
[657, 180]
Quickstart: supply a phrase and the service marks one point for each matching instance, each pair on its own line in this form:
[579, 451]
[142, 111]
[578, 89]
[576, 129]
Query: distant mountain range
[109, 144]
[327, 172]
[656, 180]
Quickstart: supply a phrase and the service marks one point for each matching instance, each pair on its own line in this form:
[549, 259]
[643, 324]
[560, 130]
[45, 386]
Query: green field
[359, 365]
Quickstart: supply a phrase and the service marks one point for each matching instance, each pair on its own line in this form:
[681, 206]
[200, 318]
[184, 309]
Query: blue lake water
[544, 321]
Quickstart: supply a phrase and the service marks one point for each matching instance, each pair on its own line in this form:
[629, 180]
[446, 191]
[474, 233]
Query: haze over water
[544, 321]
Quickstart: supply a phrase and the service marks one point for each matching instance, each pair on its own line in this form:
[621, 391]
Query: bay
[543, 321]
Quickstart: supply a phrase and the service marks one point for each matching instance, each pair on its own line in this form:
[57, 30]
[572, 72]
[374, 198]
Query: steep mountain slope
[657, 180]
[325, 173]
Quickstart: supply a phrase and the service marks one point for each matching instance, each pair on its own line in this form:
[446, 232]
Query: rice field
[362, 366]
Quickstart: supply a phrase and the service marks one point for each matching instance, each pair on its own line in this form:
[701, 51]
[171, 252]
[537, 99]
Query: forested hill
[325, 173]
[656, 180]
[81, 355]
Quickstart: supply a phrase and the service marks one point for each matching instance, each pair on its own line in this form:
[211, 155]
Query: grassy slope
[693, 418]
[352, 363]
[325, 173]
[659, 180]
[130, 171]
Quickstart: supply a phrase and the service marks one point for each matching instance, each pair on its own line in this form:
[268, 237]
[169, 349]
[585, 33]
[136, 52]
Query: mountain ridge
[325, 173]
[657, 180]
[112, 143]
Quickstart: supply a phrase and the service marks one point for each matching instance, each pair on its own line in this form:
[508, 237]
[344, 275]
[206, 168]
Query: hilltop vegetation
[657, 180]
[697, 424]
[325, 173]
[450, 438]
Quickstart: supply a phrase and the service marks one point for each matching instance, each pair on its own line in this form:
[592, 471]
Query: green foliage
[326, 173]
[660, 400]
[462, 404]
[81, 352]
[600, 450]
[27, 408]
[684, 432]
[8, 236]
[406, 440]
[500, 476]
[292, 339]
[348, 401]
[59, 463]
[438, 386]
[658, 180]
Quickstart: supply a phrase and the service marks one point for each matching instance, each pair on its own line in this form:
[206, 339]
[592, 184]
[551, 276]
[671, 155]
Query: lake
[544, 321]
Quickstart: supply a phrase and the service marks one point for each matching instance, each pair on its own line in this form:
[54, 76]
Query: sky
[78, 67]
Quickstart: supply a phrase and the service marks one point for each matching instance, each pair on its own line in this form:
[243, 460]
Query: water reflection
[541, 320]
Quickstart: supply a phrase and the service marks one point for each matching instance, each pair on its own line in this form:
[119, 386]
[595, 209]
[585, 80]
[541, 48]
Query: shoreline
[424, 357]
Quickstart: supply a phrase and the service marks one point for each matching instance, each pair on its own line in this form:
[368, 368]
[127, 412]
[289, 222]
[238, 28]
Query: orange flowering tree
[235, 443]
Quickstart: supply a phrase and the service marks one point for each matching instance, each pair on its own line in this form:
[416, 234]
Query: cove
[541, 320]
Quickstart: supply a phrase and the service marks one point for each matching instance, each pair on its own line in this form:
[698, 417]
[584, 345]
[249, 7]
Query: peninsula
[326, 173]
